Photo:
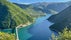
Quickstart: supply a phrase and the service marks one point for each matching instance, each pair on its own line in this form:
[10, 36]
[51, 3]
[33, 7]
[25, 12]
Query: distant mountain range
[61, 20]
[45, 7]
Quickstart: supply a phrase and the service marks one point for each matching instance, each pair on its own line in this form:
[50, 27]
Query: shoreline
[20, 26]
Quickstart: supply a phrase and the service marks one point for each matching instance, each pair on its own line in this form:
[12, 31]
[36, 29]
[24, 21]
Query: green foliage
[65, 35]
[6, 36]
[11, 15]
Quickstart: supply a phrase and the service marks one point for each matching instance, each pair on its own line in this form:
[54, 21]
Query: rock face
[61, 20]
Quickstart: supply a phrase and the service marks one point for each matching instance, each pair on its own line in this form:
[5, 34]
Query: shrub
[7, 36]
[64, 35]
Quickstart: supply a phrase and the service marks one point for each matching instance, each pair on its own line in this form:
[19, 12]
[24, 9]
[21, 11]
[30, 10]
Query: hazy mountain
[61, 20]
[51, 7]
[11, 15]
[46, 7]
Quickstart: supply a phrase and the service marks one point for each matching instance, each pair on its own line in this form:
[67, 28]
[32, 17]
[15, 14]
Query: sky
[34, 1]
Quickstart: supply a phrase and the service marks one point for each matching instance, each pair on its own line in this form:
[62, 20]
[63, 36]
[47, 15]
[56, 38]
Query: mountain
[22, 5]
[46, 7]
[30, 10]
[61, 20]
[51, 7]
[11, 15]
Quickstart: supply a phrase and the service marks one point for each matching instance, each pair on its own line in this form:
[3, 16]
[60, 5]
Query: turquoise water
[23, 33]
[39, 30]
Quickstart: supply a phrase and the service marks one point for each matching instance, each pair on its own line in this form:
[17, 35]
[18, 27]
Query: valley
[35, 21]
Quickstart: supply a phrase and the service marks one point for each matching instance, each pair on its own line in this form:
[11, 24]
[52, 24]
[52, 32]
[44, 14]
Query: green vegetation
[65, 35]
[7, 36]
[11, 15]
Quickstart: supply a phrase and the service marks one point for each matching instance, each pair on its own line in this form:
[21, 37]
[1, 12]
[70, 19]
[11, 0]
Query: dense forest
[12, 15]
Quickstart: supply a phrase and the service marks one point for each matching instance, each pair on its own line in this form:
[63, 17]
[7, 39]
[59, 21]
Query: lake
[39, 30]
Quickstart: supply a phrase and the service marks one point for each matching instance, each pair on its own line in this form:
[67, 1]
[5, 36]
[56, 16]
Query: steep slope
[12, 15]
[61, 20]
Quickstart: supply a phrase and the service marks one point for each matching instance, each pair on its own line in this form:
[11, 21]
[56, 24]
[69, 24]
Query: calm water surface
[40, 29]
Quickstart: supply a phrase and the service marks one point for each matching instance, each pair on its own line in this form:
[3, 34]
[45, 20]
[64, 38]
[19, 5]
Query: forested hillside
[61, 20]
[11, 15]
